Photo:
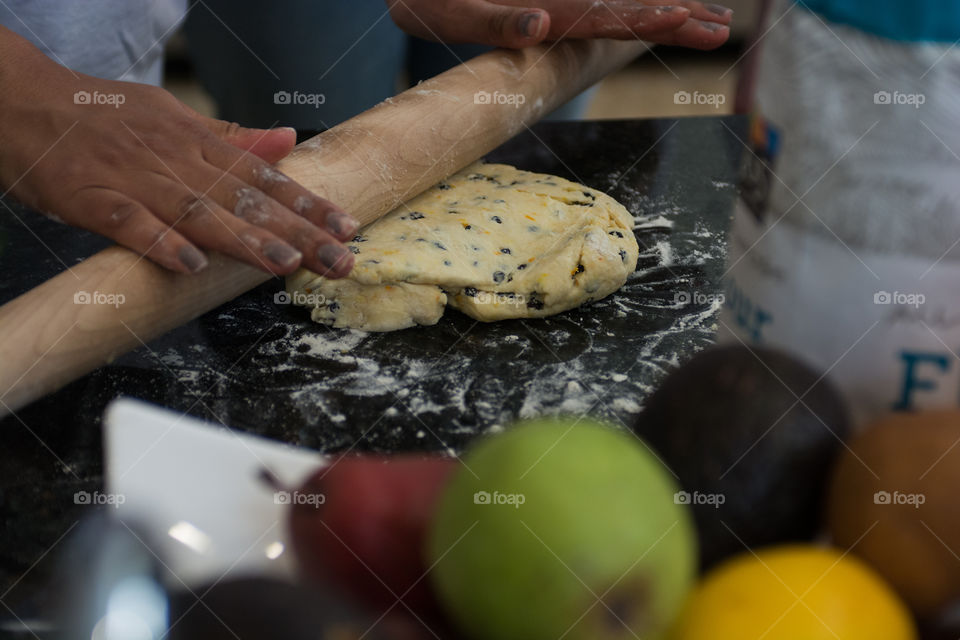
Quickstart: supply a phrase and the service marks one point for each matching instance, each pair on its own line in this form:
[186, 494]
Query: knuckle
[252, 240]
[266, 177]
[191, 208]
[160, 238]
[73, 171]
[303, 204]
[498, 24]
[314, 206]
[231, 129]
[253, 206]
[120, 214]
[162, 247]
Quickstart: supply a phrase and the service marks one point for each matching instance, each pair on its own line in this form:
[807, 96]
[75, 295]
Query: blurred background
[645, 89]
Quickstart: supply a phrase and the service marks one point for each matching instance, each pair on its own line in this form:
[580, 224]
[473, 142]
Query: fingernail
[712, 26]
[333, 256]
[342, 224]
[192, 258]
[668, 9]
[281, 254]
[291, 129]
[718, 9]
[530, 24]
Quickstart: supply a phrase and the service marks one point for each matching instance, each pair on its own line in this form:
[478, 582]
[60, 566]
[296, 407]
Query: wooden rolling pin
[367, 165]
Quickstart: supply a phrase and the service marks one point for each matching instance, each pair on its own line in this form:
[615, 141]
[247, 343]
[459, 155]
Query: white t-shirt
[112, 39]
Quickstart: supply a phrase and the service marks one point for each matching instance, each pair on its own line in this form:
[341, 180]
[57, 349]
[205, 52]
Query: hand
[132, 163]
[522, 23]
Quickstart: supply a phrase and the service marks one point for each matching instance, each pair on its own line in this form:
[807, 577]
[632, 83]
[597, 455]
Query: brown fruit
[895, 499]
[362, 523]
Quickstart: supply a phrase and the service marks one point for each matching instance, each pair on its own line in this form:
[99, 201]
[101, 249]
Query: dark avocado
[751, 434]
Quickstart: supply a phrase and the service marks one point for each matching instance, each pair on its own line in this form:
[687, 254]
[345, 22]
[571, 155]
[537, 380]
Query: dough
[493, 241]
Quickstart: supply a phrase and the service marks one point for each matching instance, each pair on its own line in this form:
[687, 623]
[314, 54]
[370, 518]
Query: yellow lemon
[794, 592]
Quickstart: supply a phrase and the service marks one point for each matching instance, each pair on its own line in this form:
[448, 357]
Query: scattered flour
[270, 176]
[446, 384]
[666, 252]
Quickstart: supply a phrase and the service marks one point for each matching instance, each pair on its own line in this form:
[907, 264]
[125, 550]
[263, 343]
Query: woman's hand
[522, 23]
[131, 162]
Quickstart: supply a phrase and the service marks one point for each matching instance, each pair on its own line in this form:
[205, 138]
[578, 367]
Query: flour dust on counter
[437, 389]
[492, 241]
[257, 366]
[401, 390]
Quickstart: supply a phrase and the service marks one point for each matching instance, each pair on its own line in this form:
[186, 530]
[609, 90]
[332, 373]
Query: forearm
[30, 81]
[17, 56]
[29, 104]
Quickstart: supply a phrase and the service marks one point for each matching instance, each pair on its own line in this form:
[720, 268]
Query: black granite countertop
[264, 367]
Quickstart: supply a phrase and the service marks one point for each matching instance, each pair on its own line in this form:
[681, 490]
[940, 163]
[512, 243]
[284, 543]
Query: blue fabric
[245, 51]
[907, 20]
[117, 40]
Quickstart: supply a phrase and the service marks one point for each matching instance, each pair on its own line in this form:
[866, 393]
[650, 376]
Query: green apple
[562, 529]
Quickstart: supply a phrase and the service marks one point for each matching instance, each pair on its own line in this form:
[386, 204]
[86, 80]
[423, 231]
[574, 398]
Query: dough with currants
[492, 241]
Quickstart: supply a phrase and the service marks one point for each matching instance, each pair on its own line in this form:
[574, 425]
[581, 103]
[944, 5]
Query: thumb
[502, 26]
[271, 145]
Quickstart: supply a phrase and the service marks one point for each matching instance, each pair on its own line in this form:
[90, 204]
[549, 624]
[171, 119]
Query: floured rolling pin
[367, 165]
